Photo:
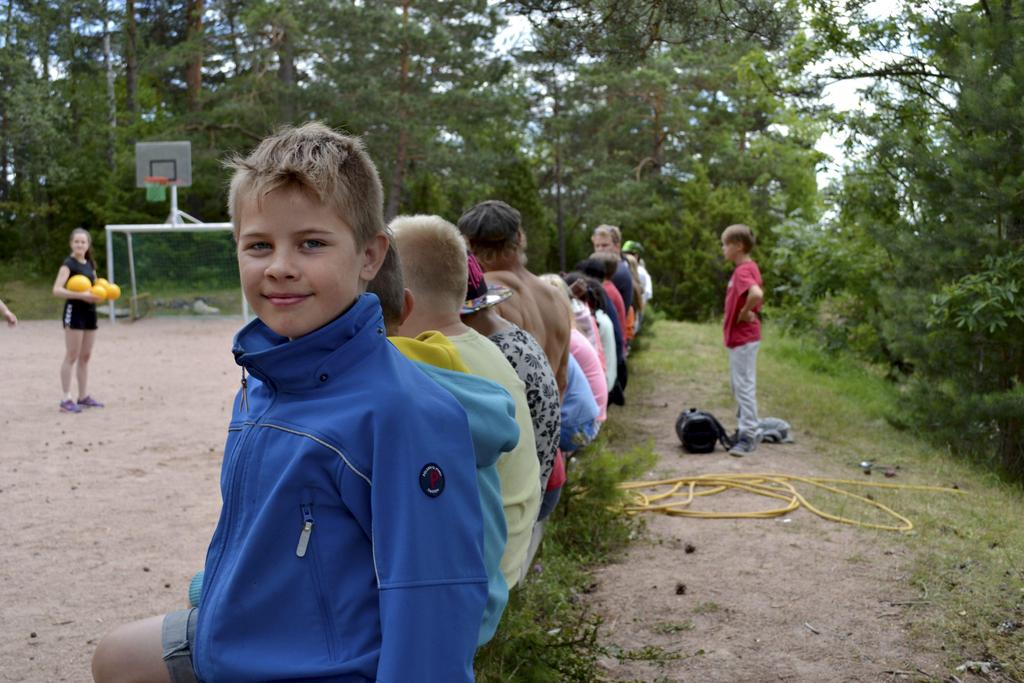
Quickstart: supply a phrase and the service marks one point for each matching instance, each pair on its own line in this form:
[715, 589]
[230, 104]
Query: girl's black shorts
[79, 315]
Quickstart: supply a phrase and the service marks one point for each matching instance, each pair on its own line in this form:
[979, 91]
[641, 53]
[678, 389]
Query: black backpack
[698, 431]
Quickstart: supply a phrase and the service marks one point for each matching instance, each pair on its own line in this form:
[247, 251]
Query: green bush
[547, 633]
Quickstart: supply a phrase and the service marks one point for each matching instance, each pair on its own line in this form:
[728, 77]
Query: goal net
[185, 269]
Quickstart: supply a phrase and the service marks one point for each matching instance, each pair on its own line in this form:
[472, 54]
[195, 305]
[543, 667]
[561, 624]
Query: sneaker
[89, 402]
[746, 444]
[68, 406]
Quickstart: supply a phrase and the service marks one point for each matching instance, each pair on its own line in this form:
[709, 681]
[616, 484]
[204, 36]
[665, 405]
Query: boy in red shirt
[742, 332]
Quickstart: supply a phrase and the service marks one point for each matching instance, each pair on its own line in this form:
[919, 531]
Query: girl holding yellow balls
[75, 283]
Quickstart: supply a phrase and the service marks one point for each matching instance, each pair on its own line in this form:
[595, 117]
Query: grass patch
[29, 295]
[707, 608]
[546, 633]
[32, 299]
[966, 551]
[647, 653]
[673, 627]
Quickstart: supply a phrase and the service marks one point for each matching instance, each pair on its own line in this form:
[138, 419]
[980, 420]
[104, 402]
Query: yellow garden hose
[674, 496]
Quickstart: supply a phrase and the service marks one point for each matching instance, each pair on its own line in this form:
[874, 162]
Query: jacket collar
[314, 359]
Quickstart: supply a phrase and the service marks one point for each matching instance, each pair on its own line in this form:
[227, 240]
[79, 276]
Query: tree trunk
[659, 138]
[131, 64]
[559, 214]
[5, 135]
[194, 67]
[401, 150]
[236, 57]
[111, 98]
[5, 123]
[1014, 228]
[286, 73]
[398, 177]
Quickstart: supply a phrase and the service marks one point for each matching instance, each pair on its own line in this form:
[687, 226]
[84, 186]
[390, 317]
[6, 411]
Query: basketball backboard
[171, 160]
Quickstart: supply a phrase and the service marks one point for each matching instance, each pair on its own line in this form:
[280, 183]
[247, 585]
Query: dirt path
[786, 599]
[105, 515]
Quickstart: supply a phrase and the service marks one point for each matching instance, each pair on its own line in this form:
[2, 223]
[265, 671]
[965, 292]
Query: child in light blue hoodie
[492, 421]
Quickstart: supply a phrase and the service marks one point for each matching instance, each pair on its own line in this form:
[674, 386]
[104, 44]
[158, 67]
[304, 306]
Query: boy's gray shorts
[177, 634]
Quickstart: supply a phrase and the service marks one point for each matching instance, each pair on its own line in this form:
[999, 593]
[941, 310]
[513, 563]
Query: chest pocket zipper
[307, 531]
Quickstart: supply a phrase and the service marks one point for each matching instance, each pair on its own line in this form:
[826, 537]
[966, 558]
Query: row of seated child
[400, 435]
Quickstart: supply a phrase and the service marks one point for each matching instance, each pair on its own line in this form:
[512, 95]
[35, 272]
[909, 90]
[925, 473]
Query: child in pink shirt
[586, 356]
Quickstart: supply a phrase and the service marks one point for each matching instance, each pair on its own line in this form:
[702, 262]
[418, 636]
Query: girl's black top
[85, 269]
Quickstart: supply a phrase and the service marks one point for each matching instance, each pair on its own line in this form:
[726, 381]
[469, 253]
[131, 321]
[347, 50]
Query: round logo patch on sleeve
[432, 480]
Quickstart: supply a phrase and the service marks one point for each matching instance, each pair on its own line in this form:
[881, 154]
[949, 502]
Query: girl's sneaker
[68, 406]
[89, 402]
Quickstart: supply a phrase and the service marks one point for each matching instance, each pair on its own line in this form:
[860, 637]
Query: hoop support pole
[173, 218]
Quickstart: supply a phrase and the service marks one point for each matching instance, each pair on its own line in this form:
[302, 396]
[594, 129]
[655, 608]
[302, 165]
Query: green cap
[632, 247]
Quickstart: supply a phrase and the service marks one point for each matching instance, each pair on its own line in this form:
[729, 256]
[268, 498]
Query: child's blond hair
[433, 257]
[333, 167]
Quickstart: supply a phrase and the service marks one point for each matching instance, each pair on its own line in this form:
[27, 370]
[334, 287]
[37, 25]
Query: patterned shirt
[525, 354]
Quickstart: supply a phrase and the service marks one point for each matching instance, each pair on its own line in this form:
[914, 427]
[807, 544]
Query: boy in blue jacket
[350, 544]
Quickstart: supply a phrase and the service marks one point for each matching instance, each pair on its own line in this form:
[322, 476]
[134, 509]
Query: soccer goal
[181, 267]
[185, 269]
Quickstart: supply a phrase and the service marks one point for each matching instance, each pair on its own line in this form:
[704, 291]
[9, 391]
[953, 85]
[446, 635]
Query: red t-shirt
[738, 333]
[557, 478]
[616, 299]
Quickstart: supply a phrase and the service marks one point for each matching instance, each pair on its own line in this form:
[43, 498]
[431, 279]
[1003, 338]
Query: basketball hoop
[156, 188]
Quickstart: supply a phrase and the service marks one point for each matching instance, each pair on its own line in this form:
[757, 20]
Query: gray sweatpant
[743, 373]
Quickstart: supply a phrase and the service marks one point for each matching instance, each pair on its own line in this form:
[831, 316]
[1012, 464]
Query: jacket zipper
[231, 491]
[307, 531]
[245, 393]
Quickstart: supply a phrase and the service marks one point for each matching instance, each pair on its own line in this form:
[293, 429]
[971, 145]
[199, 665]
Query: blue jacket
[623, 281]
[350, 545]
[492, 420]
[579, 410]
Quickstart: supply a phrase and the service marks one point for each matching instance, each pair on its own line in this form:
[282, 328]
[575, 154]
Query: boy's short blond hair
[740, 234]
[433, 257]
[333, 167]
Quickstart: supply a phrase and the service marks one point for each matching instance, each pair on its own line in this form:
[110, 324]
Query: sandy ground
[786, 599]
[105, 515]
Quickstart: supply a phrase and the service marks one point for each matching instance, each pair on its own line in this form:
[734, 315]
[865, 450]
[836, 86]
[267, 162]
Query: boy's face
[732, 251]
[299, 263]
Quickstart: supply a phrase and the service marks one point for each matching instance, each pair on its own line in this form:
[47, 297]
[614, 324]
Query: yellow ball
[78, 283]
[100, 291]
[102, 281]
[113, 292]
